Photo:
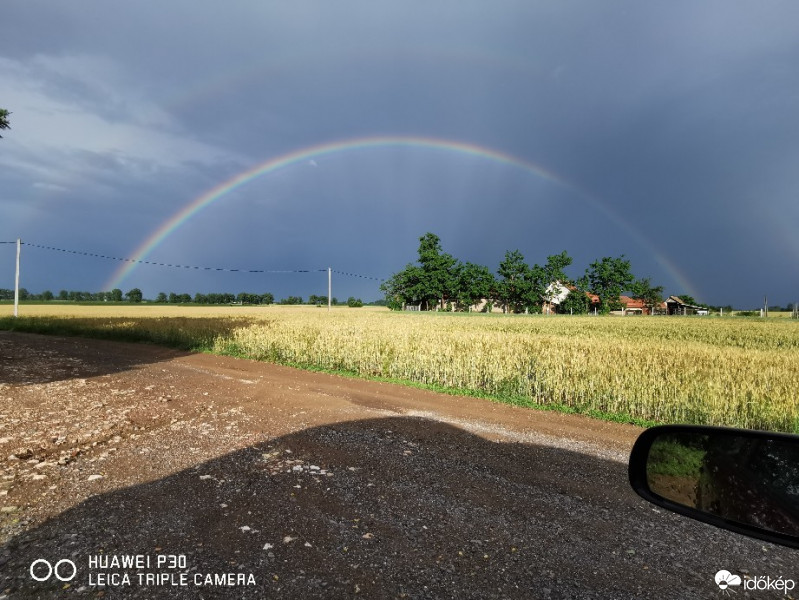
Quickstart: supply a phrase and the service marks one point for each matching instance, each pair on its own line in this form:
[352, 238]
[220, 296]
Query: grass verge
[182, 333]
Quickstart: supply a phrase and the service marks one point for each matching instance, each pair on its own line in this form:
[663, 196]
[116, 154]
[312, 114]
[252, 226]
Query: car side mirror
[744, 481]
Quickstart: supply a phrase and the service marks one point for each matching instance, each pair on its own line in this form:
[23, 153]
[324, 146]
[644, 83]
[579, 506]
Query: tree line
[135, 296]
[442, 282]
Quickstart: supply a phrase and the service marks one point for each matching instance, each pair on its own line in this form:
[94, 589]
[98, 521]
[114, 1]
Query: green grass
[671, 457]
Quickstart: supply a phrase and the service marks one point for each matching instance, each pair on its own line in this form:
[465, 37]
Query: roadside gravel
[278, 483]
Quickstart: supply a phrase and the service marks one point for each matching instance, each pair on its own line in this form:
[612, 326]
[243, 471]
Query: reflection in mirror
[749, 480]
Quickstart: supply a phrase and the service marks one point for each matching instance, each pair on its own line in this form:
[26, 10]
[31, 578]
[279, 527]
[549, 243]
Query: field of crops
[724, 371]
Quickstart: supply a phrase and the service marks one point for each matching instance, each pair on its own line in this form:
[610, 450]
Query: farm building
[675, 306]
[556, 292]
[630, 306]
[634, 306]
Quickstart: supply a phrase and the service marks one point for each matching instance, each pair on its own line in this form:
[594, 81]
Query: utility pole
[16, 281]
[329, 288]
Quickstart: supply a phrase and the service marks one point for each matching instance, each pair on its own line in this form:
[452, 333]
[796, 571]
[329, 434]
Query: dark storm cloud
[679, 120]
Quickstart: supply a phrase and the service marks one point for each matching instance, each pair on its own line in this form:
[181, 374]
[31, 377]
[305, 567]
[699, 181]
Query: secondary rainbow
[312, 152]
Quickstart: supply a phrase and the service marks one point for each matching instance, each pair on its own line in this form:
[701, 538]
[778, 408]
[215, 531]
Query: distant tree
[116, 295]
[537, 283]
[608, 278]
[433, 282]
[247, 298]
[474, 283]
[266, 298]
[4, 119]
[47, 295]
[513, 289]
[353, 302]
[292, 300]
[576, 302]
[134, 295]
[404, 287]
[438, 276]
[553, 270]
[650, 295]
[63, 295]
[688, 299]
[162, 298]
[553, 274]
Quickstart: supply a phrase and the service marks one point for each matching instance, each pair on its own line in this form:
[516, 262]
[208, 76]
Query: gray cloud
[679, 120]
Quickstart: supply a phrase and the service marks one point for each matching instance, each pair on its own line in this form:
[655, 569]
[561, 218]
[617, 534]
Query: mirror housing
[741, 480]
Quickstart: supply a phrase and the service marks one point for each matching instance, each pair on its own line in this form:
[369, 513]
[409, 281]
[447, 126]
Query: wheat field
[722, 371]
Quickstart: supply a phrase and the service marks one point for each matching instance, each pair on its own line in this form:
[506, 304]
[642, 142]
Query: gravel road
[216, 477]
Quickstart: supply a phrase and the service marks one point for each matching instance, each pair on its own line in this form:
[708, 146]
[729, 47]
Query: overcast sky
[667, 132]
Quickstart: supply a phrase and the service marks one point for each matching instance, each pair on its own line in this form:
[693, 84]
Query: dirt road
[263, 481]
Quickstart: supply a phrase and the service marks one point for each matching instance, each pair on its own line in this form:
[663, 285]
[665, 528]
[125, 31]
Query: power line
[174, 266]
[194, 267]
[359, 276]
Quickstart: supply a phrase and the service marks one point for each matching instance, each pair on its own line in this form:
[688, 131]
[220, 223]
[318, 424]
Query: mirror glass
[752, 480]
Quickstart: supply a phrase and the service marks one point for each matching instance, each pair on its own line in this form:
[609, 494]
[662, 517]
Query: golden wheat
[739, 372]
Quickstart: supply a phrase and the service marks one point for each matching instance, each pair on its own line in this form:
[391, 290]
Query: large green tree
[553, 274]
[650, 295]
[608, 278]
[439, 272]
[576, 302]
[134, 295]
[521, 287]
[433, 282]
[513, 286]
[474, 283]
[403, 287]
[553, 270]
[689, 299]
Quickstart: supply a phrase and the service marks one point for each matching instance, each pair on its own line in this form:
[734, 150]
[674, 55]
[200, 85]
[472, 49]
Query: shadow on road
[388, 508]
[70, 357]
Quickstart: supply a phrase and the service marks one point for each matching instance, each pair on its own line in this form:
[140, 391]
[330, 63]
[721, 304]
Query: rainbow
[320, 150]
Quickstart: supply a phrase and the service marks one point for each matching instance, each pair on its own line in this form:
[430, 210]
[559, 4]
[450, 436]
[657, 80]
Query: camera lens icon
[63, 570]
